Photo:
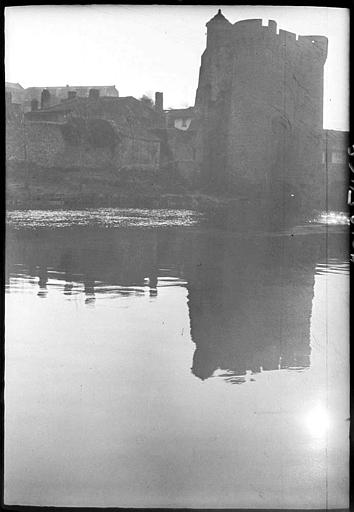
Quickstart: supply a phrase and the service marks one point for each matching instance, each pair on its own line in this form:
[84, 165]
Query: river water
[153, 361]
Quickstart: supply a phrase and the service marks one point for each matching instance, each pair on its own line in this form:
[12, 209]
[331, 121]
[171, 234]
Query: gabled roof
[104, 104]
[181, 112]
[131, 117]
[70, 87]
[14, 86]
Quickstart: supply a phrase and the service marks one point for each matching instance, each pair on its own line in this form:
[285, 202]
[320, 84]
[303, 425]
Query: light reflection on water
[333, 218]
[134, 337]
[102, 217]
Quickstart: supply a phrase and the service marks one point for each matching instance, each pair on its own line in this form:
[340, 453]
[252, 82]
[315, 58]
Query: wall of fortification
[52, 145]
[14, 134]
[45, 144]
[276, 107]
[260, 105]
[143, 152]
[182, 153]
[212, 110]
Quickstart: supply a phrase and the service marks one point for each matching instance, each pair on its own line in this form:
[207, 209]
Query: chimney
[71, 95]
[45, 99]
[94, 94]
[159, 101]
[34, 105]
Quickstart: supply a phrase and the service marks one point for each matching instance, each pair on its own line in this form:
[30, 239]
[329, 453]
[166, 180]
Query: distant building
[93, 131]
[16, 91]
[180, 118]
[57, 94]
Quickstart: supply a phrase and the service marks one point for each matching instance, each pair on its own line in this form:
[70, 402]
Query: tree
[147, 100]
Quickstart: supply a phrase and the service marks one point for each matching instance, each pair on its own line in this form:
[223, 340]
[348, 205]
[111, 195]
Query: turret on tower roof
[218, 18]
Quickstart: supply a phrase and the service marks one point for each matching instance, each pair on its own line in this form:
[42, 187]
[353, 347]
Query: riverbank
[30, 187]
[38, 188]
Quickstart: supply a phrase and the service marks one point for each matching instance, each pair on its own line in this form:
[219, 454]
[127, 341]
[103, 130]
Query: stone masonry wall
[47, 144]
[14, 133]
[260, 107]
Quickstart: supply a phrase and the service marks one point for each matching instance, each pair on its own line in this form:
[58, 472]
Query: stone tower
[260, 106]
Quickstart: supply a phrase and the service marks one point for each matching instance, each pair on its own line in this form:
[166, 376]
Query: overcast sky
[143, 49]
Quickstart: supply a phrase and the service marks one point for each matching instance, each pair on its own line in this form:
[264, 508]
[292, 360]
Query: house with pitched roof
[93, 131]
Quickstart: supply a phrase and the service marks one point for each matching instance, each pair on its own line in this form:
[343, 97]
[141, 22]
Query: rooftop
[108, 104]
[219, 18]
[133, 117]
[68, 87]
[14, 86]
[181, 112]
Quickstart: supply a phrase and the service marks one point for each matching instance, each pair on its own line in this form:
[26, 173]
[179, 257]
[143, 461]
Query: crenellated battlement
[222, 33]
[254, 28]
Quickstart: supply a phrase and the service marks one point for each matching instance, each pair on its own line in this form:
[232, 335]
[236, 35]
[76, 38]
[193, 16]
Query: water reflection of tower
[89, 285]
[66, 263]
[250, 303]
[42, 281]
[153, 278]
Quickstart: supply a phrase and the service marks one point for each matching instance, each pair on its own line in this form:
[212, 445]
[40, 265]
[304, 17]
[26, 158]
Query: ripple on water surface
[104, 217]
